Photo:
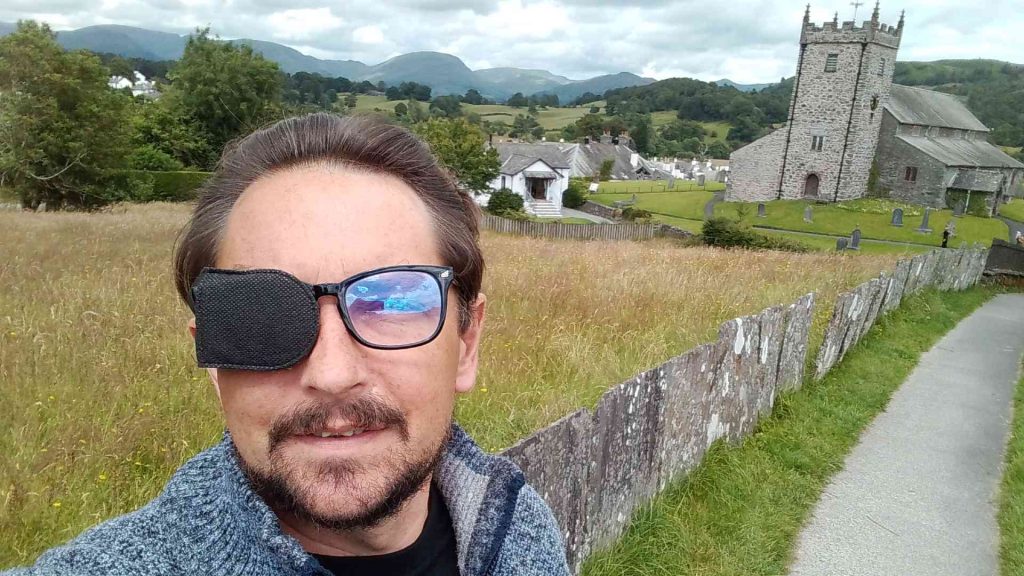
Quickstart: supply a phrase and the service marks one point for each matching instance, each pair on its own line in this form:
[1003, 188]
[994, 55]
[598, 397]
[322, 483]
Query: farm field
[1014, 210]
[104, 402]
[717, 131]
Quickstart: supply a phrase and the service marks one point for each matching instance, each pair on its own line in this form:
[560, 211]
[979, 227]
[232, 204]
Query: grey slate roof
[961, 152]
[985, 181]
[930, 108]
[518, 156]
[585, 159]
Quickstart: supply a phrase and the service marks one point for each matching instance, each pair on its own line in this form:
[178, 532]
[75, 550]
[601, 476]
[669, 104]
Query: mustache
[362, 412]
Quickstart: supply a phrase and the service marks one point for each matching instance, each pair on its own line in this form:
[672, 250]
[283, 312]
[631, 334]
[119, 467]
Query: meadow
[103, 400]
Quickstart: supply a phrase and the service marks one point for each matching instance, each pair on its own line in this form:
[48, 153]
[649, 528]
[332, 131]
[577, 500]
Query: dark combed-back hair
[362, 143]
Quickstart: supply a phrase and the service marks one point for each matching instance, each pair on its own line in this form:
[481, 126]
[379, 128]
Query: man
[333, 270]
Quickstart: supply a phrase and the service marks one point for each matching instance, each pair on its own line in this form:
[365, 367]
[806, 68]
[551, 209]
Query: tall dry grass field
[101, 400]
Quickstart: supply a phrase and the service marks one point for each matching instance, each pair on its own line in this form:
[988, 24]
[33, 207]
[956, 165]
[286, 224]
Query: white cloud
[303, 23]
[368, 35]
[748, 41]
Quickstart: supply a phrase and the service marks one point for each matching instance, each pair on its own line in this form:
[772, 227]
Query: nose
[337, 363]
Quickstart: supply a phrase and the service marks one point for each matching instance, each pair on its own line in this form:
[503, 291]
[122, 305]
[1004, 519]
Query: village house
[540, 171]
[852, 132]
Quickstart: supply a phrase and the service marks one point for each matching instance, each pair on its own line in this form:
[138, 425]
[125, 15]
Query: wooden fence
[571, 231]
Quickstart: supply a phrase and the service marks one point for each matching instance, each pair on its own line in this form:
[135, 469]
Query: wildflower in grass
[56, 504]
[102, 477]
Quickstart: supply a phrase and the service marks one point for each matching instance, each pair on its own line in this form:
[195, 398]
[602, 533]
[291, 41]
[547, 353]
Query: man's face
[323, 225]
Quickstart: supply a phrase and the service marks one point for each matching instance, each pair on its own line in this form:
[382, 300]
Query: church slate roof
[930, 108]
[518, 156]
[962, 152]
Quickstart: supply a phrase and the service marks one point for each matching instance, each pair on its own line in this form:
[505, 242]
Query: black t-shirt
[432, 553]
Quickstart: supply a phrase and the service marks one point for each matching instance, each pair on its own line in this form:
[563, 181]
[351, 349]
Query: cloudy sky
[747, 41]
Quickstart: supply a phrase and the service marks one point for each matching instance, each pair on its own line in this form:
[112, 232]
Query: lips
[344, 430]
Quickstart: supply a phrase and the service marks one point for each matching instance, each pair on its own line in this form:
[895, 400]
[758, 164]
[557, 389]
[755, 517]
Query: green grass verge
[1014, 210]
[1011, 495]
[741, 510]
[677, 204]
[873, 217]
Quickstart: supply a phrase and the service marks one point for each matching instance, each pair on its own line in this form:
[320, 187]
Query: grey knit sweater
[208, 521]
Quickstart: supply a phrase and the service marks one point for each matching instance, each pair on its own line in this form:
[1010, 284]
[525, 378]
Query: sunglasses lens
[398, 308]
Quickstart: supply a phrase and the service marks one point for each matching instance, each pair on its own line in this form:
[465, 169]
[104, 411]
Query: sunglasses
[269, 319]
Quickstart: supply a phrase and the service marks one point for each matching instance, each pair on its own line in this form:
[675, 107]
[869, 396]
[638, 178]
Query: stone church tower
[825, 152]
[843, 77]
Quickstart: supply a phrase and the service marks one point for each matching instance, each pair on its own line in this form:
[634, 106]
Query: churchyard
[684, 207]
[105, 401]
[1014, 210]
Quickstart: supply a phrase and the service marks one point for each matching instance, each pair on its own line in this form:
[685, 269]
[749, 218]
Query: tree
[744, 130]
[417, 113]
[393, 93]
[605, 171]
[517, 100]
[351, 100]
[537, 132]
[226, 88]
[591, 125]
[473, 97]
[523, 126]
[594, 110]
[401, 109]
[62, 129]
[160, 126]
[641, 130]
[460, 146]
[719, 150]
[447, 106]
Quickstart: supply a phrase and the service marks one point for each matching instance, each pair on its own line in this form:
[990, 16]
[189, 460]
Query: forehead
[323, 224]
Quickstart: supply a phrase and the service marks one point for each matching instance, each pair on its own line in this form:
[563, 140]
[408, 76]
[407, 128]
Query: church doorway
[811, 186]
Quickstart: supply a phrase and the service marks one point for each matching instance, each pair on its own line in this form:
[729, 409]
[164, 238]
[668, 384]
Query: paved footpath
[917, 494]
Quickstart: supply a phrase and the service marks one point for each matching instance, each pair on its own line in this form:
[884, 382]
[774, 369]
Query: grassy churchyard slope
[1014, 210]
[103, 400]
[1011, 494]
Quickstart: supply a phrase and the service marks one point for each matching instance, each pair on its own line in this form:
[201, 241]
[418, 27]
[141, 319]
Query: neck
[391, 535]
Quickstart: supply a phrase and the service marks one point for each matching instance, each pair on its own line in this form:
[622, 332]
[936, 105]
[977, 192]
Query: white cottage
[537, 172]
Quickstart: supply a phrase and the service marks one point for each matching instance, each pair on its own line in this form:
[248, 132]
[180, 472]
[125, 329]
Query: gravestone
[842, 244]
[923, 228]
[762, 210]
[808, 214]
[700, 180]
[855, 239]
[671, 182]
[593, 187]
[959, 209]
[897, 217]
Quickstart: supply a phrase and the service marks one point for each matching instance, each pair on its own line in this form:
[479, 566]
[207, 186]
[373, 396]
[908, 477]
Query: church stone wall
[893, 158]
[754, 169]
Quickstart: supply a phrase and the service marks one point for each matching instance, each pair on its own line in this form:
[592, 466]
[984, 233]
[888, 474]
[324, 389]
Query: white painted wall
[517, 183]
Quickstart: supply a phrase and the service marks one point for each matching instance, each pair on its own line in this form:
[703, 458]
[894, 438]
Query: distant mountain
[522, 80]
[444, 73]
[124, 40]
[742, 87]
[598, 85]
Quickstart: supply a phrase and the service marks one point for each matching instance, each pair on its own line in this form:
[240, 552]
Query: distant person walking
[948, 232]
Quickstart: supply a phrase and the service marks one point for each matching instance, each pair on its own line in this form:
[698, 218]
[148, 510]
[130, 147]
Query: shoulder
[533, 544]
[147, 541]
[129, 544]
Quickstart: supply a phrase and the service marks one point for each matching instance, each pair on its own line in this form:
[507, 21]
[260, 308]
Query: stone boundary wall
[855, 311]
[601, 210]
[594, 468]
[622, 231]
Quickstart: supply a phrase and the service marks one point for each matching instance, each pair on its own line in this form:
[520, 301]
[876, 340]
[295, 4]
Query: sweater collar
[480, 491]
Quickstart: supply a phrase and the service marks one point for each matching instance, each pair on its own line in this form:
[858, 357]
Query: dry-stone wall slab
[626, 430]
[556, 462]
[897, 286]
[793, 357]
[856, 315]
[835, 332]
[769, 351]
[876, 290]
[914, 278]
[688, 411]
[737, 373]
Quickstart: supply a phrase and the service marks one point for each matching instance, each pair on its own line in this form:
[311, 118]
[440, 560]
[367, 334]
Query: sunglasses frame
[443, 275]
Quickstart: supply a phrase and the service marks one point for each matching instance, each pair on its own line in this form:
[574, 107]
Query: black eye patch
[253, 319]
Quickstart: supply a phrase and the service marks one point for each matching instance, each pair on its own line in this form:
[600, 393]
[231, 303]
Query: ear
[211, 371]
[469, 346]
